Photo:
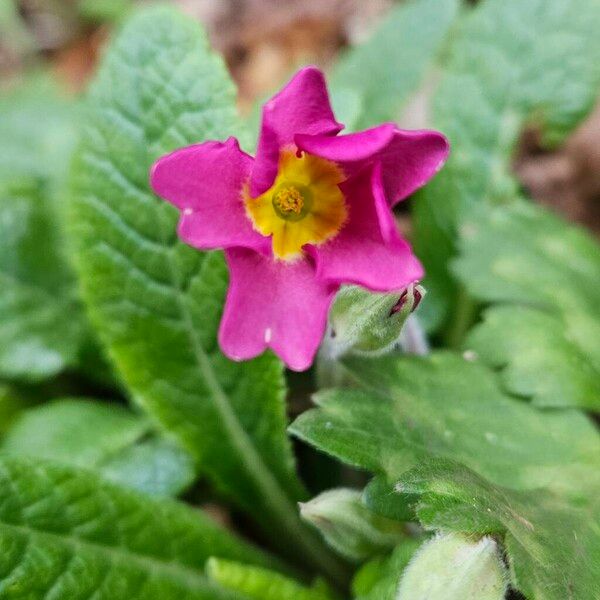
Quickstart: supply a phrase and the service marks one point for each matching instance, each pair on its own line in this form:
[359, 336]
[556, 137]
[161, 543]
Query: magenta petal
[302, 106]
[408, 158]
[205, 182]
[368, 251]
[273, 304]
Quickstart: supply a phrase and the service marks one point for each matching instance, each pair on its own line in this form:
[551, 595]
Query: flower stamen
[288, 200]
[291, 201]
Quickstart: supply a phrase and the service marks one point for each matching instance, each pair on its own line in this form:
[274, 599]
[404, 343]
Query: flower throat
[305, 204]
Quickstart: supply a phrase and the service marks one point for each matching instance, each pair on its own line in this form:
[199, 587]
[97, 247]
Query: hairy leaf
[553, 547]
[512, 63]
[41, 325]
[102, 437]
[11, 405]
[154, 465]
[411, 409]
[545, 273]
[37, 132]
[256, 583]
[68, 534]
[538, 357]
[156, 302]
[379, 75]
[74, 431]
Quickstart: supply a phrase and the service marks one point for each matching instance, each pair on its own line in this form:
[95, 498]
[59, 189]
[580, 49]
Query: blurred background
[263, 41]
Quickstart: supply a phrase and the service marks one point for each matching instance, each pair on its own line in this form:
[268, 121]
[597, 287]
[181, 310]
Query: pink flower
[310, 212]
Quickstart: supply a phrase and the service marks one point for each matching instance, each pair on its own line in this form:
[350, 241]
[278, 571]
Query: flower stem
[464, 315]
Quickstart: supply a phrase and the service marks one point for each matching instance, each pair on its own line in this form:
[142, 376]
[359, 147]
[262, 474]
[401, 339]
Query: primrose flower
[311, 211]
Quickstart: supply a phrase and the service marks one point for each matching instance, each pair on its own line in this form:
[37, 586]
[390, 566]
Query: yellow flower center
[303, 206]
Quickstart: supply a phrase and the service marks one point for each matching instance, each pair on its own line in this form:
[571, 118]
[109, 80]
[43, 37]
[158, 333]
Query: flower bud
[453, 567]
[350, 527]
[368, 323]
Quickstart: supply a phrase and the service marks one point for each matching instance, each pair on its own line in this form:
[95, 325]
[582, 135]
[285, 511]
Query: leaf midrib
[271, 491]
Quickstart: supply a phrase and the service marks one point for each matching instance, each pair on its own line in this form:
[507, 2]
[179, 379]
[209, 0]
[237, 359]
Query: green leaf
[380, 75]
[102, 437]
[349, 526]
[74, 431]
[552, 546]
[157, 303]
[537, 357]
[11, 405]
[379, 578]
[255, 583]
[454, 567]
[411, 409]
[37, 132]
[543, 260]
[154, 465]
[69, 534]
[41, 325]
[545, 274]
[512, 63]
